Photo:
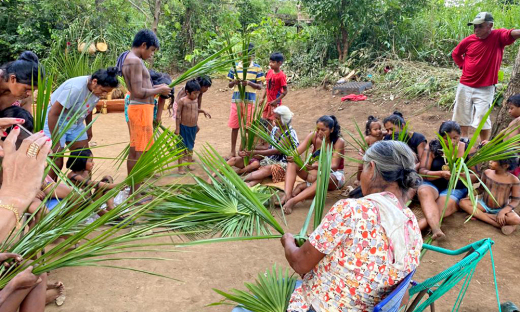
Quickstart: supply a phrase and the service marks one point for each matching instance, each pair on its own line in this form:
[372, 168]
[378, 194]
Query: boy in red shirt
[276, 88]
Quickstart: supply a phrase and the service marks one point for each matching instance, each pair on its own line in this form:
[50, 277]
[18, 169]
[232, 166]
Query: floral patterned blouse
[356, 272]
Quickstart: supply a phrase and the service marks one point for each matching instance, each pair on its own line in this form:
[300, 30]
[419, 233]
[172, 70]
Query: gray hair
[394, 162]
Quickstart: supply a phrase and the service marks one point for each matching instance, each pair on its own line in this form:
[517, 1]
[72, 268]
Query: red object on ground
[354, 97]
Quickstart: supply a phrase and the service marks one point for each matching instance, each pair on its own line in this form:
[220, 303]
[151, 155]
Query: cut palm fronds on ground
[322, 185]
[271, 292]
[39, 111]
[212, 209]
[220, 172]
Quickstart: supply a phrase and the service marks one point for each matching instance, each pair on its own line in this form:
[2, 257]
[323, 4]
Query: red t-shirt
[480, 59]
[275, 83]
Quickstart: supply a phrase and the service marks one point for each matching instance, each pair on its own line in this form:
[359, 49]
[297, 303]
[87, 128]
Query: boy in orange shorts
[138, 82]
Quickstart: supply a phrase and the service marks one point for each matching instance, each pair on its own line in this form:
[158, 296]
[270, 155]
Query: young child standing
[187, 117]
[276, 88]
[505, 188]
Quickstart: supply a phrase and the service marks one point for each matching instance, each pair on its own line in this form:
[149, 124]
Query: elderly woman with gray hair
[363, 247]
[274, 163]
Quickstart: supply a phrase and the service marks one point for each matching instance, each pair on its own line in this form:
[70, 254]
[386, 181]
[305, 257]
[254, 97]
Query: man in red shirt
[276, 88]
[479, 56]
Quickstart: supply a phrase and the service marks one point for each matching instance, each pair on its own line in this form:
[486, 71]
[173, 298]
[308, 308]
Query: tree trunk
[503, 118]
[156, 15]
[342, 44]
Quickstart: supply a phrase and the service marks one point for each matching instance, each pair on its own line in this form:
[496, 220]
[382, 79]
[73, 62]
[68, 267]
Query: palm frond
[271, 292]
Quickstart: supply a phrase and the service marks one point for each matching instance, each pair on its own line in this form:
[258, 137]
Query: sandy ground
[225, 266]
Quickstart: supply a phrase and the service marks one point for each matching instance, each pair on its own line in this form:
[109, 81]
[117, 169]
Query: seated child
[81, 164]
[254, 161]
[187, 118]
[505, 188]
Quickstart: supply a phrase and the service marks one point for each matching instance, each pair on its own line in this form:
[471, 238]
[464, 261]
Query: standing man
[479, 56]
[254, 79]
[139, 84]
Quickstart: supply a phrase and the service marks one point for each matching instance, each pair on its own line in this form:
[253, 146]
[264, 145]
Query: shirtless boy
[137, 78]
[187, 117]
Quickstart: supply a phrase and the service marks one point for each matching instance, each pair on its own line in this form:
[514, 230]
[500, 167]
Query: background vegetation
[322, 40]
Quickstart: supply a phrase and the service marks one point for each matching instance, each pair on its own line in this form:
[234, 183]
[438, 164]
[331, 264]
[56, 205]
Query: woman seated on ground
[274, 163]
[395, 124]
[432, 192]
[363, 247]
[26, 291]
[328, 132]
[254, 161]
[81, 164]
[505, 190]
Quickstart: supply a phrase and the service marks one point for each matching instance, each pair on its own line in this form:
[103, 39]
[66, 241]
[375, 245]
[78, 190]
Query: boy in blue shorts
[186, 121]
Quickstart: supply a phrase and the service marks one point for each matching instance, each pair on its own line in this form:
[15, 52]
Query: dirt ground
[225, 266]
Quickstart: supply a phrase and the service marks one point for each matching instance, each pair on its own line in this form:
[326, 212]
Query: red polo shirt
[480, 58]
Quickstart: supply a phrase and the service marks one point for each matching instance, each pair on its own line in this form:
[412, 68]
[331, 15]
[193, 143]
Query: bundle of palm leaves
[270, 293]
[226, 206]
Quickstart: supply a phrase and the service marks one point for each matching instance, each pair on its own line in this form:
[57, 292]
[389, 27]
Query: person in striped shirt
[253, 82]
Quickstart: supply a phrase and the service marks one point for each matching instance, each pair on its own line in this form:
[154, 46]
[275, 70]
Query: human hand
[446, 175]
[501, 217]
[207, 115]
[287, 238]
[164, 89]
[309, 167]
[273, 103]
[176, 131]
[22, 174]
[245, 83]
[290, 159]
[5, 123]
[7, 255]
[242, 153]
[25, 279]
[40, 195]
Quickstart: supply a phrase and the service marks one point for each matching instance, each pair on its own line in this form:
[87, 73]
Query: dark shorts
[188, 135]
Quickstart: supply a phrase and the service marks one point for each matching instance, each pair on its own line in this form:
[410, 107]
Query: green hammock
[441, 283]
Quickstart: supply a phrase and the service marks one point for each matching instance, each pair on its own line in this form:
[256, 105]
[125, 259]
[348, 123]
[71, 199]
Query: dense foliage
[316, 37]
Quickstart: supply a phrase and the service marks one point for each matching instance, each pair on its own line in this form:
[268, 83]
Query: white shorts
[471, 104]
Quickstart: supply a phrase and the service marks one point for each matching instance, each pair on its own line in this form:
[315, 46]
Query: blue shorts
[73, 134]
[489, 210]
[456, 194]
[188, 135]
[51, 203]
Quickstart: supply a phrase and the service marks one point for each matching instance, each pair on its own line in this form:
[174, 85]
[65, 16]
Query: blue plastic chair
[392, 302]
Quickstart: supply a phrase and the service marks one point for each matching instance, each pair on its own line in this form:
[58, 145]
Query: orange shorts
[233, 115]
[140, 121]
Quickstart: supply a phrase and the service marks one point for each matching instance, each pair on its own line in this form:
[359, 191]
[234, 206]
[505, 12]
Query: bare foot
[288, 207]
[182, 170]
[55, 293]
[281, 202]
[438, 235]
[508, 229]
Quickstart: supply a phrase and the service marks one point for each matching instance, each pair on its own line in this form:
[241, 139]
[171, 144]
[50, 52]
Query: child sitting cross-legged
[81, 164]
[254, 161]
[505, 189]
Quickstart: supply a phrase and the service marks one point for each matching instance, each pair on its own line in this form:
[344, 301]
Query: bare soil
[225, 266]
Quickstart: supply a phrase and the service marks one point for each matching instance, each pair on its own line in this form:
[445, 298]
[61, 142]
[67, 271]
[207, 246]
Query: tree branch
[140, 9]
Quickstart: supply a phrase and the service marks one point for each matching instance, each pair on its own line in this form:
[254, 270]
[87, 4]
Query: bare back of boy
[188, 112]
[513, 128]
[137, 78]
